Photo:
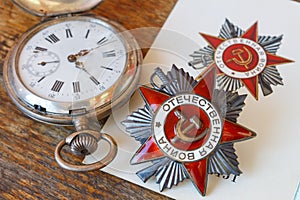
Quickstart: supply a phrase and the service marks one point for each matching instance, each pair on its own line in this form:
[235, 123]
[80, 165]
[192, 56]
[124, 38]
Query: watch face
[71, 60]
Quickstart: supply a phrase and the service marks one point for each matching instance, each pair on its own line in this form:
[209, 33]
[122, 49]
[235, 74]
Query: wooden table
[28, 169]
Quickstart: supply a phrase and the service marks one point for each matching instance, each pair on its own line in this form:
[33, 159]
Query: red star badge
[187, 132]
[246, 58]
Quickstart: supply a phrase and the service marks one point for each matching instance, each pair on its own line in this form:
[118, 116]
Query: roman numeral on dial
[52, 38]
[39, 49]
[102, 41]
[95, 80]
[76, 87]
[57, 86]
[111, 53]
[69, 33]
[41, 79]
[87, 33]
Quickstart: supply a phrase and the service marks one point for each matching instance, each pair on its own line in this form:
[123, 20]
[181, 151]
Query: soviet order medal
[187, 129]
[242, 58]
[71, 69]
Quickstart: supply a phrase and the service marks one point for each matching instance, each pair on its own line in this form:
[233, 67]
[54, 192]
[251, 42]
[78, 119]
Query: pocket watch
[70, 69]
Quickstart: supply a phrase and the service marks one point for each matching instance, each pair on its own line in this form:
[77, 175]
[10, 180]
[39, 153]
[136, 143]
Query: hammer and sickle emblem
[241, 61]
[183, 134]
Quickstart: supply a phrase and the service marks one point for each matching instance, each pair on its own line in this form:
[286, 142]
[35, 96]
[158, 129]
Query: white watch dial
[72, 60]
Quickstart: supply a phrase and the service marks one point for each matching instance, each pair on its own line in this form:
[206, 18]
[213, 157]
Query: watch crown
[84, 144]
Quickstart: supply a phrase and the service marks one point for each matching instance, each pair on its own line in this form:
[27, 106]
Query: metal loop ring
[88, 167]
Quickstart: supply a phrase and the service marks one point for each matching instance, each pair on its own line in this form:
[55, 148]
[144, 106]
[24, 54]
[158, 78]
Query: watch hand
[44, 63]
[82, 52]
[80, 65]
[101, 43]
[73, 57]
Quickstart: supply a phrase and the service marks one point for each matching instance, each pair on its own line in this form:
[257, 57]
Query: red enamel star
[242, 58]
[156, 147]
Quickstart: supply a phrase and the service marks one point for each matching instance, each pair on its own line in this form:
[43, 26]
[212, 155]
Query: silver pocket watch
[72, 69]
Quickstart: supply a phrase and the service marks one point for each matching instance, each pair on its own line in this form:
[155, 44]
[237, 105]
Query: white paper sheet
[270, 162]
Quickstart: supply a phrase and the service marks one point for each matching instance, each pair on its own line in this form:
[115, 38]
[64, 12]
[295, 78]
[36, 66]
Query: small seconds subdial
[43, 63]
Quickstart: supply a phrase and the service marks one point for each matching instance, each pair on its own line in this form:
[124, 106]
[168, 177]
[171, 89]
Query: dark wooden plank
[27, 166]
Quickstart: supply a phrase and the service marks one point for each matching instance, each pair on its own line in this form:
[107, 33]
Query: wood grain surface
[28, 169]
